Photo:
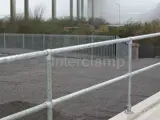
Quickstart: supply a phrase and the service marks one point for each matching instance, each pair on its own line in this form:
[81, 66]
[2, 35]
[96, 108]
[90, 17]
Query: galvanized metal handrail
[48, 53]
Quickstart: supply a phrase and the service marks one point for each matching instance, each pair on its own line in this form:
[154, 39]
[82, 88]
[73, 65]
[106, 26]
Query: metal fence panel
[122, 50]
[37, 42]
[28, 41]
[13, 41]
[44, 41]
[2, 41]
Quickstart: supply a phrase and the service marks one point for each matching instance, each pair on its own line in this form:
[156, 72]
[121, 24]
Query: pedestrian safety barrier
[50, 102]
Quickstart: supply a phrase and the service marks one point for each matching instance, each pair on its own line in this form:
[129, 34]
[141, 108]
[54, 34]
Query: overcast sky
[128, 7]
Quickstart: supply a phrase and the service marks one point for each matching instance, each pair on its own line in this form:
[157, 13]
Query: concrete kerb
[140, 108]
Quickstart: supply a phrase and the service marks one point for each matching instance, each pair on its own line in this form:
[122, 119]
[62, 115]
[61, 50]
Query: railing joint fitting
[130, 41]
[48, 51]
[49, 54]
[49, 104]
[130, 74]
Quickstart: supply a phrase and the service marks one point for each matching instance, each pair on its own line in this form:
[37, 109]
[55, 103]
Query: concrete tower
[78, 9]
[71, 9]
[91, 8]
[13, 10]
[82, 8]
[53, 9]
[108, 10]
[26, 9]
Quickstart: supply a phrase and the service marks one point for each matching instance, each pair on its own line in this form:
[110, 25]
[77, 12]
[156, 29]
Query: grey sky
[129, 8]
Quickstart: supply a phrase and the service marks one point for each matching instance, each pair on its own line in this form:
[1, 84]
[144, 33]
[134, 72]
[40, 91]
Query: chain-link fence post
[23, 41]
[78, 54]
[43, 41]
[4, 41]
[92, 51]
[32, 41]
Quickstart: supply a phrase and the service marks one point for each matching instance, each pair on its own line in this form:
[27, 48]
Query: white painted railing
[49, 52]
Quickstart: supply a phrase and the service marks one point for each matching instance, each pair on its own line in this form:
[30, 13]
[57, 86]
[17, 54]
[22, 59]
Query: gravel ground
[23, 85]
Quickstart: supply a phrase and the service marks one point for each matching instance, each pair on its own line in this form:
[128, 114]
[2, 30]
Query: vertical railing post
[49, 85]
[43, 41]
[4, 40]
[32, 41]
[129, 111]
[65, 44]
[23, 42]
[78, 44]
[117, 50]
[92, 49]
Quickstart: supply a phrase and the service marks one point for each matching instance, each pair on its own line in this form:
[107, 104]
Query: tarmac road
[23, 84]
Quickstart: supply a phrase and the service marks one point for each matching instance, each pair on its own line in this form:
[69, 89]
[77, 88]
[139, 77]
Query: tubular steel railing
[49, 52]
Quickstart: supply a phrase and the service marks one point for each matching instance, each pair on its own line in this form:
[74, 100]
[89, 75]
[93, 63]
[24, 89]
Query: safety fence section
[44, 41]
[50, 102]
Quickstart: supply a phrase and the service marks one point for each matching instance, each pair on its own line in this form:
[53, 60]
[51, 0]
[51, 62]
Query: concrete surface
[145, 110]
[152, 114]
[25, 82]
